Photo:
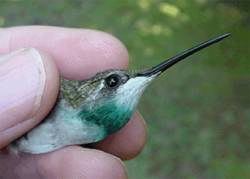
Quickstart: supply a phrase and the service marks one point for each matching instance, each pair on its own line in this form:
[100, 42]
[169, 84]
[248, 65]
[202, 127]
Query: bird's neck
[109, 115]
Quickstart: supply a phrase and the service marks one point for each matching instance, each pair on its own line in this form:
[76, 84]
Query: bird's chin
[130, 93]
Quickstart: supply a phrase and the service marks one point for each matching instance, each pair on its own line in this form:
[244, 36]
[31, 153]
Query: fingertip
[28, 91]
[94, 51]
[76, 162]
[51, 87]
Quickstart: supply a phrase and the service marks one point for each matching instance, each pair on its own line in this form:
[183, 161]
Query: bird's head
[111, 97]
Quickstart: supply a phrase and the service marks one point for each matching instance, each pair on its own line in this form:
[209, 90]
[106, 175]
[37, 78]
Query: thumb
[28, 89]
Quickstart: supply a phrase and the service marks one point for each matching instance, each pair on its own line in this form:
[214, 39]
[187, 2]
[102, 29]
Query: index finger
[78, 53]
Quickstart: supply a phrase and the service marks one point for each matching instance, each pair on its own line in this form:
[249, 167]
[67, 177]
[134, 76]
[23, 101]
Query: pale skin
[74, 54]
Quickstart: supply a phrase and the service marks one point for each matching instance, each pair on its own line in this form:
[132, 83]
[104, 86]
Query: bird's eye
[113, 80]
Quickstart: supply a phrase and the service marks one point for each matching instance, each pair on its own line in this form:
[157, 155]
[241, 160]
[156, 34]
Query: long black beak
[181, 56]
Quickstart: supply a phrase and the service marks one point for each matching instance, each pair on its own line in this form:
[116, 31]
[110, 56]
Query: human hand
[29, 83]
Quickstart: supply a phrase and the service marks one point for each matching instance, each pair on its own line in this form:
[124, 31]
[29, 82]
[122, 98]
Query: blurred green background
[198, 113]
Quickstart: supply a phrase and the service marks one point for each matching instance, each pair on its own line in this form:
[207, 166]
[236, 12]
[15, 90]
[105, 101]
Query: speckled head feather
[76, 92]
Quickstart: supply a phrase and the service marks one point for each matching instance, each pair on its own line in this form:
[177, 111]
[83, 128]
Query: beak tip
[226, 35]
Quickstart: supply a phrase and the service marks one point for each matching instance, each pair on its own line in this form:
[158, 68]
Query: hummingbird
[88, 111]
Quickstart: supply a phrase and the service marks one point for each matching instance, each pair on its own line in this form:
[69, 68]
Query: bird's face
[117, 86]
[112, 97]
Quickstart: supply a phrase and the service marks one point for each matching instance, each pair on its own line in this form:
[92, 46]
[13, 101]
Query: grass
[198, 113]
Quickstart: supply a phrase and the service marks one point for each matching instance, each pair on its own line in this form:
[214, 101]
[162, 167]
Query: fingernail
[22, 82]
